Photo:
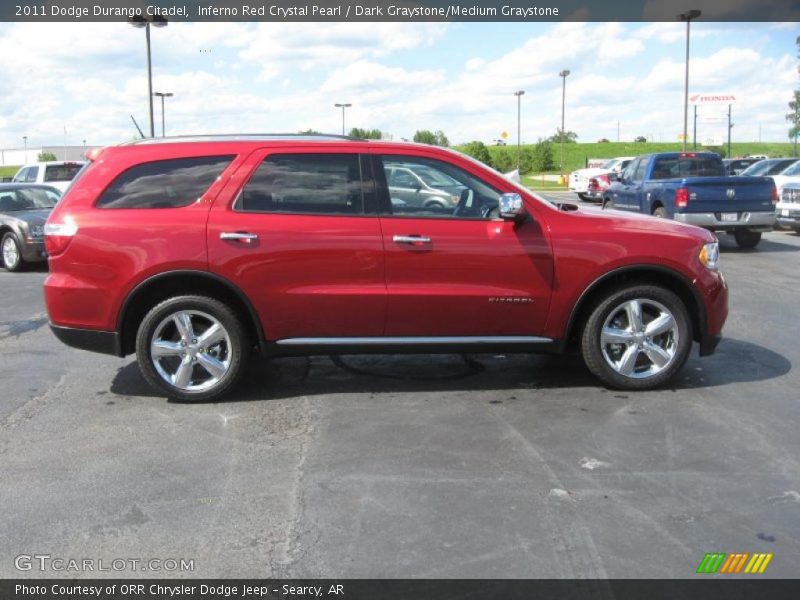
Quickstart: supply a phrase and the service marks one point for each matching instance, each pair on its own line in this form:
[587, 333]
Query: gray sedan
[23, 210]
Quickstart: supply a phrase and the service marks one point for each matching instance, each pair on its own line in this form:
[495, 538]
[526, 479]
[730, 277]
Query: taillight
[774, 197]
[681, 197]
[604, 179]
[57, 237]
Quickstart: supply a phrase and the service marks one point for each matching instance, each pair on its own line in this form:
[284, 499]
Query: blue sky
[400, 77]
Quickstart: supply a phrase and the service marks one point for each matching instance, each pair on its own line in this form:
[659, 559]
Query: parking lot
[413, 466]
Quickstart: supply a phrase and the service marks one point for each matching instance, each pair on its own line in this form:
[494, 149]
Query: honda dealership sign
[709, 99]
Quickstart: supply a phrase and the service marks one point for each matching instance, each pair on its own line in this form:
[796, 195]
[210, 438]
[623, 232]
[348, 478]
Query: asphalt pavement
[411, 466]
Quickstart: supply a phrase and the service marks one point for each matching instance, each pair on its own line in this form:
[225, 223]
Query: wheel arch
[637, 274]
[159, 287]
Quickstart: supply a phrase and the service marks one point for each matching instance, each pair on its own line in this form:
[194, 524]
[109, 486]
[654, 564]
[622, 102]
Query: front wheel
[192, 348]
[637, 337]
[11, 252]
[746, 238]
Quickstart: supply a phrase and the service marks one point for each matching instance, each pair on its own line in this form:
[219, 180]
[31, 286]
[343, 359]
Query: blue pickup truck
[691, 187]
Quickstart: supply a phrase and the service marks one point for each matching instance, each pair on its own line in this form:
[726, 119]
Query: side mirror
[511, 207]
[614, 176]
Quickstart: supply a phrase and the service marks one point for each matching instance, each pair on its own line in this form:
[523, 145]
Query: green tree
[794, 106]
[542, 156]
[640, 139]
[309, 132]
[425, 136]
[478, 151]
[503, 161]
[45, 156]
[365, 134]
[570, 137]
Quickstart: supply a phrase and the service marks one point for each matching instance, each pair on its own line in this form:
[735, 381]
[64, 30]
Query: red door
[458, 270]
[294, 232]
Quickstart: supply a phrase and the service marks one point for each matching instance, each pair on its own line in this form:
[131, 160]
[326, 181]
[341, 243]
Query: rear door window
[324, 184]
[165, 183]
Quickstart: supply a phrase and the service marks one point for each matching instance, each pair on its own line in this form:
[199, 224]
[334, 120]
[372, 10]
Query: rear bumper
[104, 342]
[759, 221]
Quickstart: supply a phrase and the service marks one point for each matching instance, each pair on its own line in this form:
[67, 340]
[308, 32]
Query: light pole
[25, 142]
[163, 95]
[140, 21]
[563, 74]
[343, 106]
[519, 94]
[687, 16]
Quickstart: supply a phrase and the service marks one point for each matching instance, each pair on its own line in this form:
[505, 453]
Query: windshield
[793, 170]
[28, 199]
[63, 172]
[768, 167]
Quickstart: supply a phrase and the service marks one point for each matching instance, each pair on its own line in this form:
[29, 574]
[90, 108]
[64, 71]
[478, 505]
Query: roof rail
[231, 137]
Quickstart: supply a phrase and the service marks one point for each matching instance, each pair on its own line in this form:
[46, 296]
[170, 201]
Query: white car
[787, 210]
[579, 180]
[788, 175]
[57, 173]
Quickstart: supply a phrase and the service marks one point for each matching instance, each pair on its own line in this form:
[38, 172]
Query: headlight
[709, 255]
[37, 231]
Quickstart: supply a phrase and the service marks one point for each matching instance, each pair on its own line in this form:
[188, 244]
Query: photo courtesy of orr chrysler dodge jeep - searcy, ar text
[194, 252]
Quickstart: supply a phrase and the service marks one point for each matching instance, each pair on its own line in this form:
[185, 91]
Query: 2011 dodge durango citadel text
[194, 252]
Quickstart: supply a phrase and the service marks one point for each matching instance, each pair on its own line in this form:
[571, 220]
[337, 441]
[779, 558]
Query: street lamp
[519, 94]
[140, 21]
[343, 106]
[163, 95]
[563, 74]
[687, 16]
[25, 142]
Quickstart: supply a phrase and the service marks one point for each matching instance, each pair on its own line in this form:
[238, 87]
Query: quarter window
[164, 183]
[423, 187]
[32, 173]
[305, 183]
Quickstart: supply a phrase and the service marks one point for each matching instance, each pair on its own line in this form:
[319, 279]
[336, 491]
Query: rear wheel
[746, 238]
[583, 197]
[11, 252]
[192, 348]
[637, 337]
[660, 212]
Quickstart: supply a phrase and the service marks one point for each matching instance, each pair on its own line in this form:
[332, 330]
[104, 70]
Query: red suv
[192, 252]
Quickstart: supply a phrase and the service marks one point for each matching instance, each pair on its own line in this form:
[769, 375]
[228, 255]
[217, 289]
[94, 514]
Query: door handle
[411, 239]
[239, 236]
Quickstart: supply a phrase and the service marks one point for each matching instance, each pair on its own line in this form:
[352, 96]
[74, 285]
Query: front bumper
[104, 342]
[757, 221]
[788, 215]
[33, 250]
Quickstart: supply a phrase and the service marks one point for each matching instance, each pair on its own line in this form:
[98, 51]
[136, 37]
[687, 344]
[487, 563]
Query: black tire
[17, 263]
[232, 351]
[660, 212]
[583, 197]
[435, 205]
[678, 340]
[747, 239]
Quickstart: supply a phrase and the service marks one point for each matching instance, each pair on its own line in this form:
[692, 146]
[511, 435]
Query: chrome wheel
[10, 252]
[191, 350]
[639, 338]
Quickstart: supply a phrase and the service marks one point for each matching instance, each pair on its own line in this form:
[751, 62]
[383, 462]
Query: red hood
[625, 221]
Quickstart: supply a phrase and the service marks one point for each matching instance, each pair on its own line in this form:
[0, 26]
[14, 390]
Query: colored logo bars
[719, 562]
